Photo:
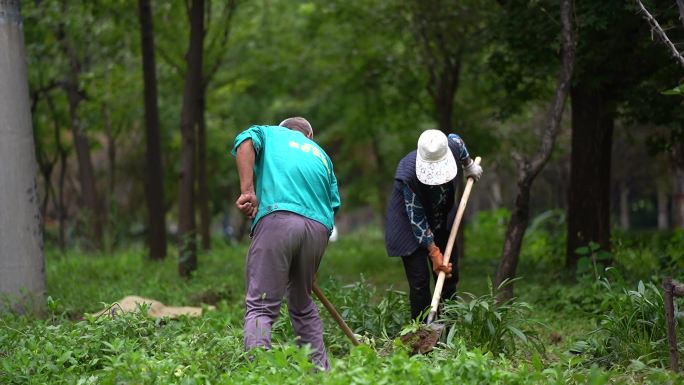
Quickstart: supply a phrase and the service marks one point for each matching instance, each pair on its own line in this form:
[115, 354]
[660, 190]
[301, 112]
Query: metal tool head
[423, 340]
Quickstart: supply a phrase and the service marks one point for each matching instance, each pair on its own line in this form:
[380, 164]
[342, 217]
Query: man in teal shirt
[292, 208]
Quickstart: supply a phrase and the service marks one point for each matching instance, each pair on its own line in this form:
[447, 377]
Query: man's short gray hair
[299, 124]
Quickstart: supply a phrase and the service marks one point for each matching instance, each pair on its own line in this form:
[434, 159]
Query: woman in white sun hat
[421, 210]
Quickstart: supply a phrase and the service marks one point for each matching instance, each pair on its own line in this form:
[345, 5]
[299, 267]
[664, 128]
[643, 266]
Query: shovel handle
[450, 245]
[333, 312]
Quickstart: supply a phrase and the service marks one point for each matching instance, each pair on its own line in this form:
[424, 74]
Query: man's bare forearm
[245, 165]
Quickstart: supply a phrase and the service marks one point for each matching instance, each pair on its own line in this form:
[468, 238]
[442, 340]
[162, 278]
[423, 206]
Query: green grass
[72, 347]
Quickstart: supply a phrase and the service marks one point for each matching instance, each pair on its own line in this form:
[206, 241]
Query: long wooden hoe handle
[333, 312]
[450, 245]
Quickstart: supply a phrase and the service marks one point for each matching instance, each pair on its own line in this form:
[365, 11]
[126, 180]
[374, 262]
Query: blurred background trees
[370, 76]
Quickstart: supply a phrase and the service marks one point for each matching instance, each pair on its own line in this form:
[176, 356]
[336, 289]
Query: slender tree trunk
[22, 270]
[86, 173]
[63, 156]
[89, 196]
[45, 164]
[154, 180]
[496, 197]
[624, 206]
[111, 152]
[663, 217]
[192, 95]
[528, 170]
[60, 198]
[108, 198]
[515, 232]
[589, 192]
[202, 187]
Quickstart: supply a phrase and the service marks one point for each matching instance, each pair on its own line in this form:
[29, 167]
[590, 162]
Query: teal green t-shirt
[292, 174]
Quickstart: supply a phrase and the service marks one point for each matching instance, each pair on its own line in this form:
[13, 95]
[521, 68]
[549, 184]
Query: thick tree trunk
[192, 95]
[154, 181]
[202, 187]
[22, 270]
[589, 192]
[528, 170]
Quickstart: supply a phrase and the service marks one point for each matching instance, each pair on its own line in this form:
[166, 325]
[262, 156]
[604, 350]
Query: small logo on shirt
[306, 147]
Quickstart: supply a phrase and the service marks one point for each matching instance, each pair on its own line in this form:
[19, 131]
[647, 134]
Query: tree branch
[655, 27]
[680, 5]
[563, 83]
[169, 60]
[228, 12]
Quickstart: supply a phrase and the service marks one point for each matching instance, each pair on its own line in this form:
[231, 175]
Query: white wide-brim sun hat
[435, 164]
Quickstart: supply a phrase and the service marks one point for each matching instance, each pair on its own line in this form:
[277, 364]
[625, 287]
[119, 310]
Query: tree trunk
[86, 173]
[22, 269]
[663, 217]
[202, 187]
[624, 206]
[589, 192]
[528, 170]
[109, 199]
[154, 181]
[515, 232]
[443, 92]
[111, 152]
[192, 95]
[89, 197]
[63, 155]
[60, 198]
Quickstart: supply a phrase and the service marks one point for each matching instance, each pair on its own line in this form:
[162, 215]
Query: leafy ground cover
[605, 330]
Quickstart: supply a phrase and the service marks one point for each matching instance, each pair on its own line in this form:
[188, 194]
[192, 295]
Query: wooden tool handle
[333, 312]
[450, 245]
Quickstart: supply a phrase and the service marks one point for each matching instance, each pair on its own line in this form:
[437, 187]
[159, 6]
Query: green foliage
[129, 347]
[497, 327]
[632, 331]
[544, 241]
[71, 347]
[679, 90]
[586, 298]
[368, 312]
[650, 254]
[591, 256]
[485, 233]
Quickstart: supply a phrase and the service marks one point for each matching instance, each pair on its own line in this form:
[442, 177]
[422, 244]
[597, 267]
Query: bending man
[292, 209]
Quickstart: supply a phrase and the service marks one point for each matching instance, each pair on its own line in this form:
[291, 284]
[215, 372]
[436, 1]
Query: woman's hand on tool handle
[472, 170]
[438, 260]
